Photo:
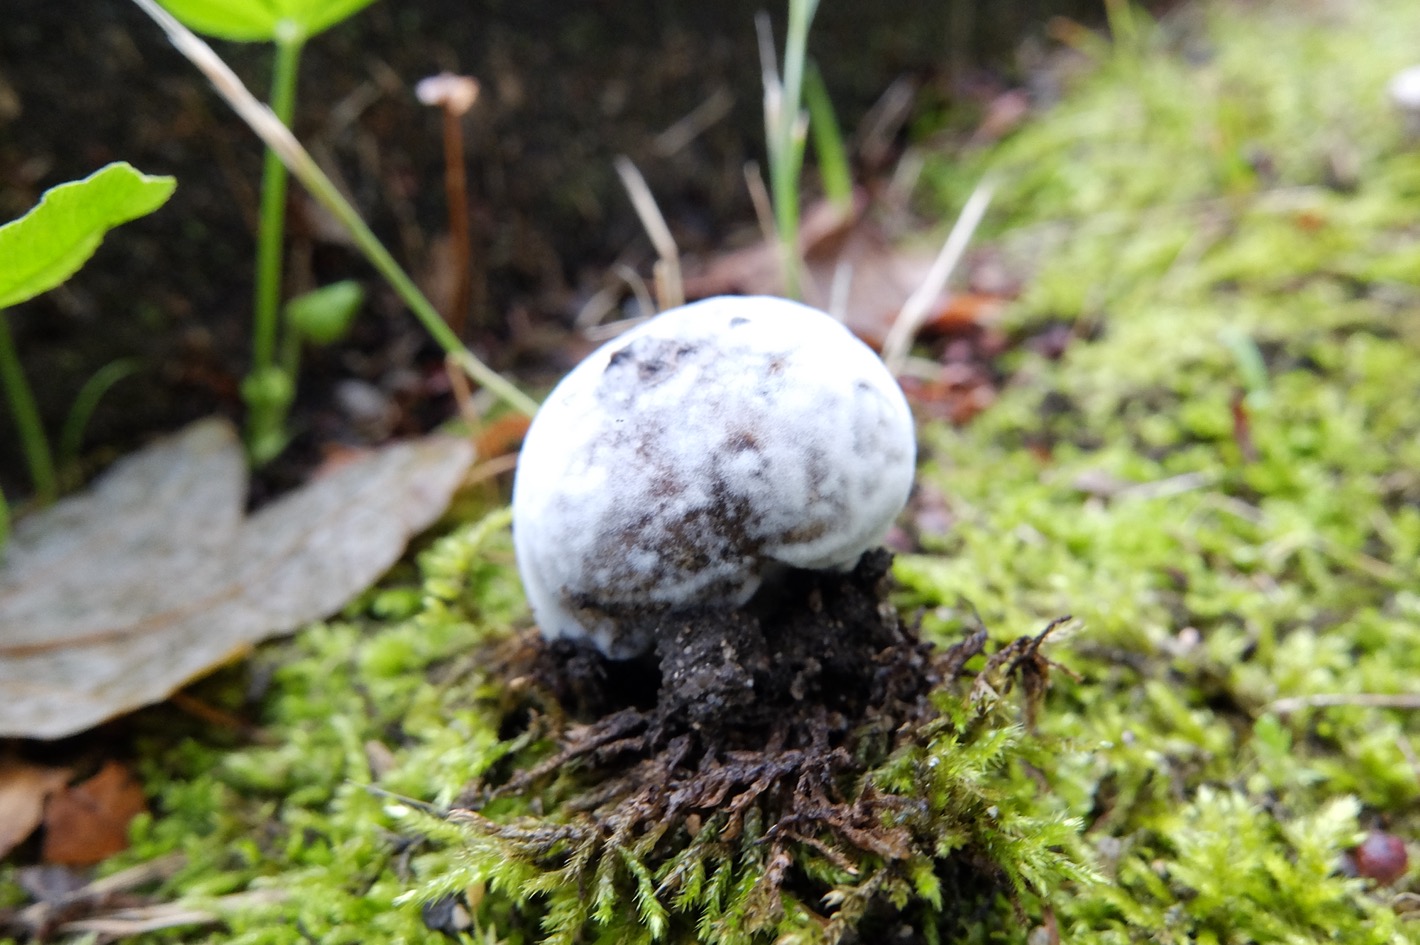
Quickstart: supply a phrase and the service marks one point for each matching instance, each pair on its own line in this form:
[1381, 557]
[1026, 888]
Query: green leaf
[323, 315]
[48, 245]
[262, 20]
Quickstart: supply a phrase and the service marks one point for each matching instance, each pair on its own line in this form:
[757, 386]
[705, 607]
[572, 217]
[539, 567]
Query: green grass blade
[828, 141]
[33, 443]
[71, 436]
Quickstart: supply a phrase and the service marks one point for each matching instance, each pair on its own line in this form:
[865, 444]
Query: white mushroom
[1404, 90]
[683, 463]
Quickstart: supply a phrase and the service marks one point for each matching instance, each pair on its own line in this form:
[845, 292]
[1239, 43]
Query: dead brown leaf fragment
[88, 822]
[113, 599]
[113, 907]
[23, 790]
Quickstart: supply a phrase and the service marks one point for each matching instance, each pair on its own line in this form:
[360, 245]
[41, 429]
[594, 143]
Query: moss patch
[1220, 477]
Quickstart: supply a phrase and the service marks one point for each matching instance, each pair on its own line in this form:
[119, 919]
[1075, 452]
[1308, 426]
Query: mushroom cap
[457, 93]
[1404, 89]
[682, 463]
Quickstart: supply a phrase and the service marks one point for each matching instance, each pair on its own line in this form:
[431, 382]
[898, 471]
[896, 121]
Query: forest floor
[1193, 428]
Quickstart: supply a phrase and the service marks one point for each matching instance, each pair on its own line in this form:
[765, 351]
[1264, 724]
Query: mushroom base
[817, 654]
[760, 725]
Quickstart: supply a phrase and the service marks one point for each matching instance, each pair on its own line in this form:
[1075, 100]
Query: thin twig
[609, 330]
[1369, 700]
[98, 893]
[139, 920]
[638, 288]
[672, 292]
[759, 197]
[463, 396]
[598, 306]
[915, 309]
[690, 127]
[491, 469]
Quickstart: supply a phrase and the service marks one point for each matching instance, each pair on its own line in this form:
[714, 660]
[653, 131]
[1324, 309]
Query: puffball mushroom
[1404, 90]
[688, 461]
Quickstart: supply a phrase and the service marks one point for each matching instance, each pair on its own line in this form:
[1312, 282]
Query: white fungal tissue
[683, 463]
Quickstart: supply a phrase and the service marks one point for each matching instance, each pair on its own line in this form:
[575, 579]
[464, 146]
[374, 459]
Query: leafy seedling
[298, 161]
[42, 249]
[269, 388]
[323, 316]
[319, 317]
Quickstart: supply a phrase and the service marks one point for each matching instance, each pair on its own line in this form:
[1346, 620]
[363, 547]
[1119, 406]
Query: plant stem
[27, 421]
[456, 194]
[272, 227]
[266, 414]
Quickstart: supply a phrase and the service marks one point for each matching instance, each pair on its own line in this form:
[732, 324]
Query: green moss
[1214, 571]
[1181, 204]
[961, 830]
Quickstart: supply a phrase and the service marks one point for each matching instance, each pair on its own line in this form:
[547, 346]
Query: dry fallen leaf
[23, 789]
[64, 900]
[112, 599]
[88, 822]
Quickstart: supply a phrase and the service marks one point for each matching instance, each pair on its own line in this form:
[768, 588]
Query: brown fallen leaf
[23, 790]
[113, 599]
[88, 822]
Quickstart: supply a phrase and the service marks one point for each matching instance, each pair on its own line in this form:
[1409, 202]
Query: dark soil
[826, 655]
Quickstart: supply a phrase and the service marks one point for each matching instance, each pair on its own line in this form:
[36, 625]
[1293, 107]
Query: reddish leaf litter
[88, 822]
